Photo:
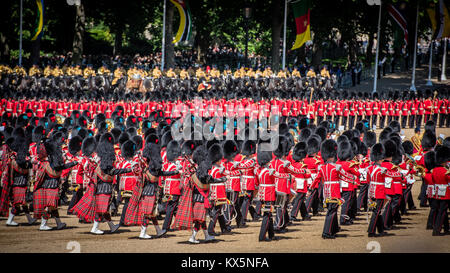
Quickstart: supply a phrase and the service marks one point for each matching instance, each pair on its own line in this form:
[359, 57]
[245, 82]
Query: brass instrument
[332, 200]
[110, 124]
[60, 119]
[420, 169]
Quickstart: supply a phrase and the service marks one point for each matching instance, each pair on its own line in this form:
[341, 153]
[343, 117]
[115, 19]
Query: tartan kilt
[19, 195]
[85, 208]
[102, 203]
[199, 212]
[43, 198]
[146, 205]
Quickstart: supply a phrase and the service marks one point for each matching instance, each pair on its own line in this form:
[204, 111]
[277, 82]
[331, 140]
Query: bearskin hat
[264, 154]
[173, 151]
[282, 146]
[328, 149]
[38, 134]
[299, 151]
[132, 121]
[166, 138]
[152, 152]
[428, 140]
[106, 152]
[99, 118]
[442, 154]
[390, 148]
[75, 145]
[49, 112]
[430, 160]
[342, 138]
[215, 153]
[54, 154]
[22, 120]
[408, 147]
[200, 154]
[395, 125]
[75, 115]
[128, 149]
[283, 129]
[88, 146]
[87, 115]
[123, 138]
[153, 138]
[249, 147]
[370, 138]
[137, 139]
[131, 131]
[116, 132]
[430, 125]
[83, 122]
[312, 146]
[230, 149]
[68, 123]
[188, 148]
[344, 151]
[377, 152]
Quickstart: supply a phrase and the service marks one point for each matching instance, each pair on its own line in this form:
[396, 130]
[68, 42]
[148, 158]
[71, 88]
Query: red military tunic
[328, 174]
[441, 182]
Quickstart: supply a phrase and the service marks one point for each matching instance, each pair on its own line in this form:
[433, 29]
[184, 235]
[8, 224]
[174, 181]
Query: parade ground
[301, 237]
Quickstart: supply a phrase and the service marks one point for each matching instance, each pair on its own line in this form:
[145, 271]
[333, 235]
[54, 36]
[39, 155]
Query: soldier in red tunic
[328, 174]
[441, 180]
[300, 186]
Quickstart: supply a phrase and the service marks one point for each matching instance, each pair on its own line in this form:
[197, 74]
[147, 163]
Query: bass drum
[281, 199]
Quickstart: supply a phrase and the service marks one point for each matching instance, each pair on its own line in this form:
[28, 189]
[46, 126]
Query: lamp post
[247, 15]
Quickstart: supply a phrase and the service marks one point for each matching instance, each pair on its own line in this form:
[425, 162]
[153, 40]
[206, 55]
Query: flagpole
[163, 38]
[430, 64]
[20, 39]
[413, 87]
[378, 49]
[284, 35]
[444, 55]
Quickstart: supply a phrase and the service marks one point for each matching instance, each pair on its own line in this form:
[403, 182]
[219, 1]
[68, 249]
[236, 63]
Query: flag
[301, 9]
[184, 30]
[440, 20]
[397, 14]
[40, 20]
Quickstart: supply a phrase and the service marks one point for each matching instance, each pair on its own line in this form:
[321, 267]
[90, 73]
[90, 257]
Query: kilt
[102, 203]
[51, 197]
[19, 195]
[199, 212]
[146, 205]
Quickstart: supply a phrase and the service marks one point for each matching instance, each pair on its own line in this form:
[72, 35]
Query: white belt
[218, 184]
[173, 179]
[235, 177]
[267, 185]
[377, 183]
[128, 177]
[331, 182]
[248, 176]
[397, 182]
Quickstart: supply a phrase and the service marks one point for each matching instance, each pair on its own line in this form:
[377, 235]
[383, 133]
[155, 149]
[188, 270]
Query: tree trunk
[277, 24]
[35, 51]
[317, 55]
[4, 49]
[369, 54]
[80, 21]
[169, 50]
[118, 41]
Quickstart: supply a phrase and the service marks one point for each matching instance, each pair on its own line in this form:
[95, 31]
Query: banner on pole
[184, 30]
[301, 9]
[40, 20]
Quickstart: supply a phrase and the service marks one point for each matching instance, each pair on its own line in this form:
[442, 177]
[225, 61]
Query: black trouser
[359, 118]
[312, 203]
[396, 208]
[331, 225]
[76, 196]
[441, 216]
[247, 206]
[434, 206]
[376, 221]
[435, 118]
[351, 122]
[403, 203]
[423, 194]
[408, 196]
[267, 224]
[418, 120]
[298, 204]
[124, 210]
[387, 213]
[258, 206]
[345, 209]
[396, 118]
[215, 214]
[411, 121]
[369, 120]
[362, 197]
[382, 121]
[447, 122]
[442, 119]
[336, 120]
[404, 121]
[319, 119]
[374, 120]
[344, 122]
[354, 205]
[171, 209]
